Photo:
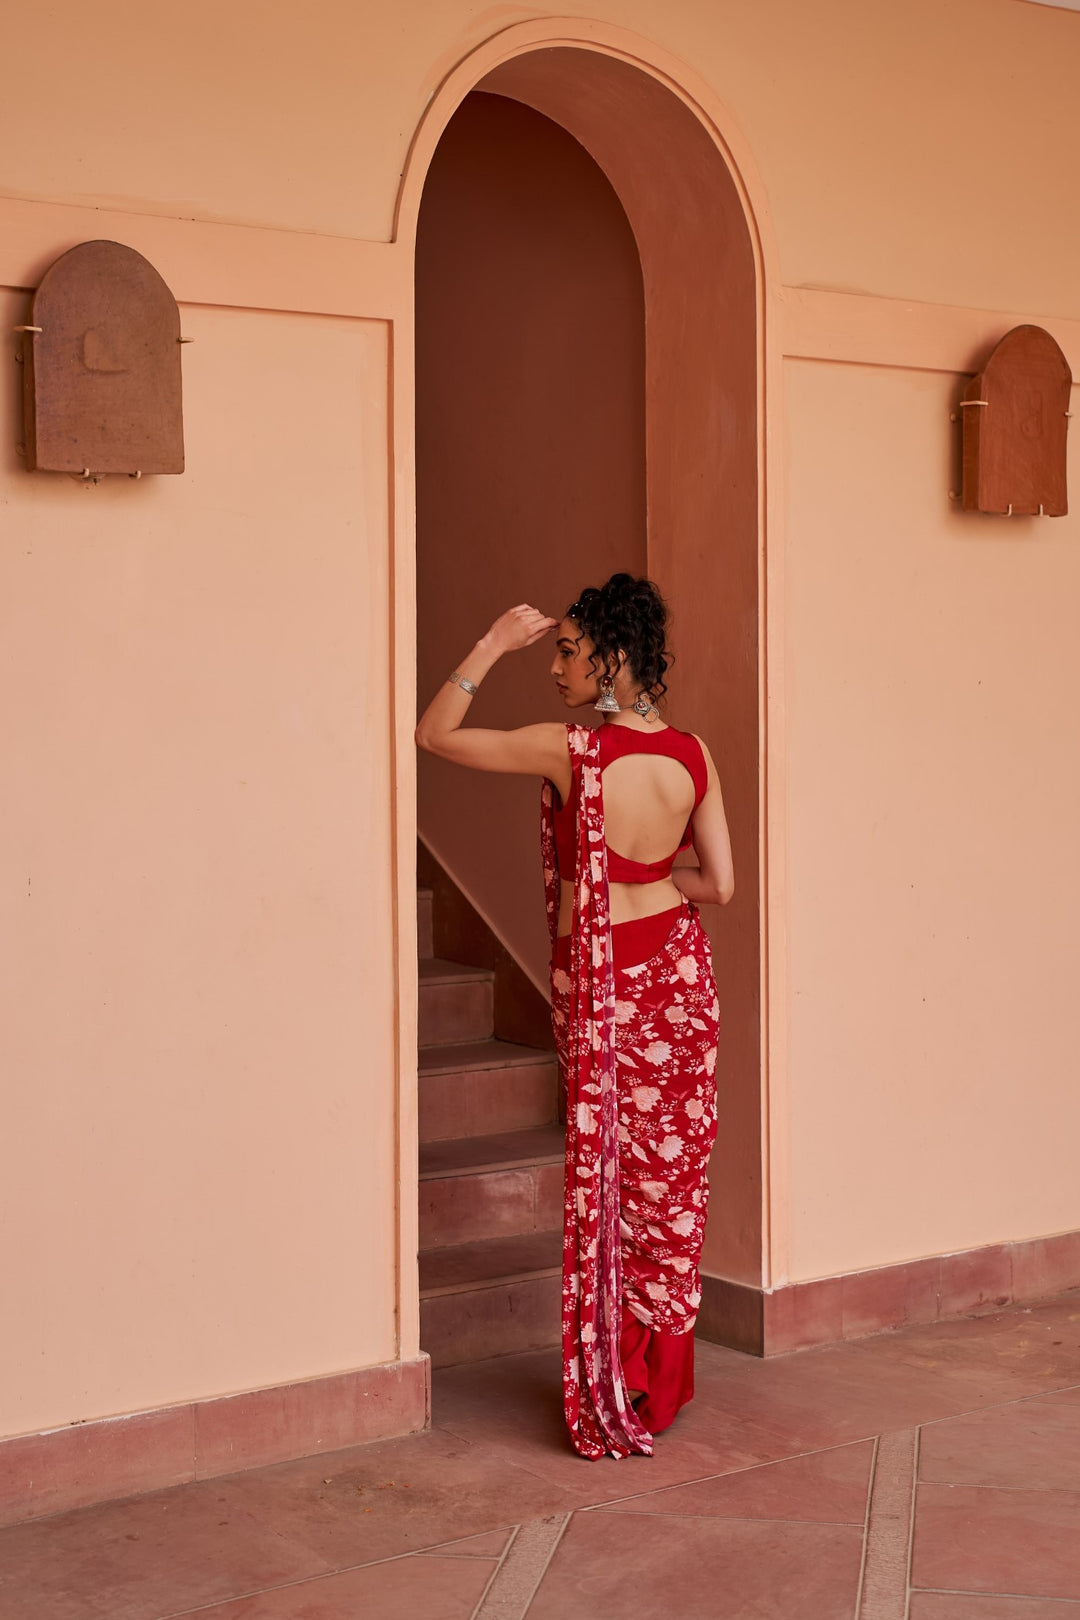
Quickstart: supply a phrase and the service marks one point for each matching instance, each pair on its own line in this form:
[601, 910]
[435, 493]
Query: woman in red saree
[634, 1005]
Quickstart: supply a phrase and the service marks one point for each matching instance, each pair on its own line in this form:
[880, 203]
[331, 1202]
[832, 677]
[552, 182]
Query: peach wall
[932, 802]
[199, 1144]
[302, 119]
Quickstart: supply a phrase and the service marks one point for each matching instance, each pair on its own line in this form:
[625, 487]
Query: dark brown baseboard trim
[107, 1458]
[831, 1309]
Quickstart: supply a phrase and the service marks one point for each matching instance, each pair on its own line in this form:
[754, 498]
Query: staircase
[491, 1170]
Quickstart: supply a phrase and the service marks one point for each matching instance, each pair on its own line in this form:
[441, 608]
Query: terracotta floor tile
[824, 1397]
[849, 1391]
[516, 1415]
[142, 1558]
[1063, 1308]
[1006, 1387]
[747, 1410]
[976, 1539]
[1071, 1394]
[963, 1606]
[827, 1486]
[351, 1507]
[700, 1569]
[402, 1589]
[491, 1545]
[1018, 1345]
[1031, 1444]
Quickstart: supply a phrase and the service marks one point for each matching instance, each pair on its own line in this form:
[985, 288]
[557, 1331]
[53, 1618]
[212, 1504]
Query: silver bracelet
[472, 687]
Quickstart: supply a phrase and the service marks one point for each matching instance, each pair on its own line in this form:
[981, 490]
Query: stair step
[474, 1057]
[491, 1170]
[457, 1002]
[425, 934]
[489, 1263]
[436, 970]
[482, 1088]
[492, 1298]
[480, 1155]
[490, 1186]
[500, 1321]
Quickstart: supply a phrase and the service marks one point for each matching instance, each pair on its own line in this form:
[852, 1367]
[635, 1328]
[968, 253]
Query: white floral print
[646, 1097]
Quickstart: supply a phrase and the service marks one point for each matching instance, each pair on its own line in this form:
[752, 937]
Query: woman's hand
[516, 628]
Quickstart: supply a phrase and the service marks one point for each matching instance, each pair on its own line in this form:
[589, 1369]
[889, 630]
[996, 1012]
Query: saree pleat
[637, 1049]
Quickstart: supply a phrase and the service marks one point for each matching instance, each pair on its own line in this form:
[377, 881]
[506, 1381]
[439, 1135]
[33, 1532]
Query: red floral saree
[637, 1048]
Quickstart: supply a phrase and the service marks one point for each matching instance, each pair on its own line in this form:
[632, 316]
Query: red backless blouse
[615, 741]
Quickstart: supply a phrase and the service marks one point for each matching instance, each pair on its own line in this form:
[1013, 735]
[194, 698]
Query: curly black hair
[627, 615]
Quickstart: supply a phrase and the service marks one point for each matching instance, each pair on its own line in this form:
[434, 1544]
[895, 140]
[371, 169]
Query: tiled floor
[931, 1473]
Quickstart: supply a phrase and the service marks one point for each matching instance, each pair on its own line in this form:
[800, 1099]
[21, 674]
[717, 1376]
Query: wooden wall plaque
[1016, 419]
[102, 367]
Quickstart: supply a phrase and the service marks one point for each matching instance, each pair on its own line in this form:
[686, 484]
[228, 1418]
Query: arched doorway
[530, 449]
[700, 478]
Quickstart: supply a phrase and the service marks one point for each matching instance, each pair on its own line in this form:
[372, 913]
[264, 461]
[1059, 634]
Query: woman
[634, 1003]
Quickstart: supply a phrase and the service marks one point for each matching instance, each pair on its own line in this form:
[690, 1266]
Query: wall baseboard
[106, 1458]
[831, 1309]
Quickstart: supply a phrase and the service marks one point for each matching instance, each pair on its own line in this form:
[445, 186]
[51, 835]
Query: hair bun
[628, 615]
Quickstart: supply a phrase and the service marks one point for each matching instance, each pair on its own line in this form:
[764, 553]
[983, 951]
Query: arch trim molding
[535, 38]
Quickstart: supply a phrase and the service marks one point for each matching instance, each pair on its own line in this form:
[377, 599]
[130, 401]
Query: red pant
[660, 1364]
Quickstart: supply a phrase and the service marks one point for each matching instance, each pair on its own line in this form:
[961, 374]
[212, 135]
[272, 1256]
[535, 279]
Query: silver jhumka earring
[607, 702]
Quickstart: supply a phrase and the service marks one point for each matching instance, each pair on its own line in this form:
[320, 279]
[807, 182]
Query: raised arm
[712, 881]
[538, 750]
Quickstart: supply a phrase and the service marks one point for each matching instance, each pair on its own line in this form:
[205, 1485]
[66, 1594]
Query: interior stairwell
[491, 1169]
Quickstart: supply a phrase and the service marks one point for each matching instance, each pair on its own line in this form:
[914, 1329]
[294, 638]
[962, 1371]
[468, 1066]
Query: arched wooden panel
[102, 366]
[1015, 425]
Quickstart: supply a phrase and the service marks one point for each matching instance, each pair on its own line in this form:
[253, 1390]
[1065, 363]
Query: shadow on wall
[530, 453]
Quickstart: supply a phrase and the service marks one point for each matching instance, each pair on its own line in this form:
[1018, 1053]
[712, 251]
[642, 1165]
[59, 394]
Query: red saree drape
[637, 1047]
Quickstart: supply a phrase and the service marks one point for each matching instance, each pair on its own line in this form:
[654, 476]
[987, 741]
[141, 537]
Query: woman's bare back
[648, 799]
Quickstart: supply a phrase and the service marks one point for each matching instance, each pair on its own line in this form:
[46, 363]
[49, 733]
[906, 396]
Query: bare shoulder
[710, 763]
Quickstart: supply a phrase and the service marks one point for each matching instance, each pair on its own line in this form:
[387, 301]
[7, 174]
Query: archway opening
[545, 462]
[530, 450]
